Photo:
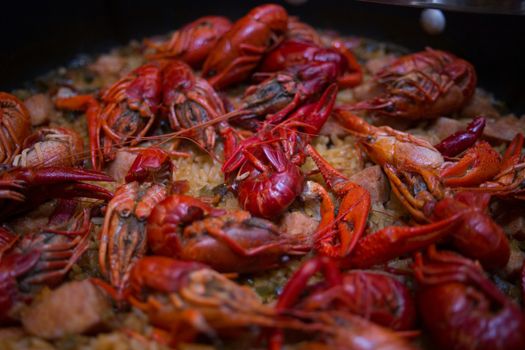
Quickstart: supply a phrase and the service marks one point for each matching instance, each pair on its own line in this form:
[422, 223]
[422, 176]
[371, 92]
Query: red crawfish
[22, 188]
[479, 236]
[338, 235]
[374, 295]
[190, 101]
[128, 110]
[239, 51]
[186, 228]
[123, 236]
[51, 147]
[193, 42]
[422, 85]
[297, 53]
[15, 126]
[187, 299]
[462, 309]
[43, 257]
[416, 169]
[343, 331]
[264, 170]
[282, 93]
[344, 237]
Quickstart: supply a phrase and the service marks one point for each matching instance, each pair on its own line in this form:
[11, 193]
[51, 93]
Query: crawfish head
[267, 189]
[151, 164]
[271, 96]
[193, 43]
[130, 106]
[179, 294]
[190, 102]
[51, 147]
[15, 126]
[123, 237]
[478, 236]
[461, 307]
[423, 85]
[167, 220]
[373, 295]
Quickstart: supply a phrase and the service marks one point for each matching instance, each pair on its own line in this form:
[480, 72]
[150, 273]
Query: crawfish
[374, 295]
[416, 169]
[22, 188]
[15, 126]
[461, 307]
[193, 42]
[264, 170]
[283, 93]
[238, 52]
[422, 85]
[128, 110]
[51, 147]
[43, 257]
[190, 101]
[298, 53]
[123, 235]
[186, 228]
[186, 299]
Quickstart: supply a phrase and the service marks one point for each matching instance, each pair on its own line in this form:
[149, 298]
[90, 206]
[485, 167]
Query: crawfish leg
[16, 196]
[412, 204]
[244, 63]
[59, 251]
[11, 132]
[353, 212]
[392, 242]
[327, 206]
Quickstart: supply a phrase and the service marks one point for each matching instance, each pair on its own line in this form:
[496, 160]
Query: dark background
[38, 36]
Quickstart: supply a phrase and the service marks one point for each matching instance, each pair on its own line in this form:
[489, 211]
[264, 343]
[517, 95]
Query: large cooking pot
[38, 36]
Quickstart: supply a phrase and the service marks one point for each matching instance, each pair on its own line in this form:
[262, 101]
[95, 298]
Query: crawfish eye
[211, 72]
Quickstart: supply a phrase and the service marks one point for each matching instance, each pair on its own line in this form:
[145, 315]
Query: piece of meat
[374, 180]
[120, 166]
[479, 104]
[11, 334]
[504, 128]
[374, 65]
[332, 128]
[298, 223]
[513, 267]
[513, 222]
[40, 108]
[444, 127]
[73, 308]
[108, 65]
[367, 90]
[34, 220]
